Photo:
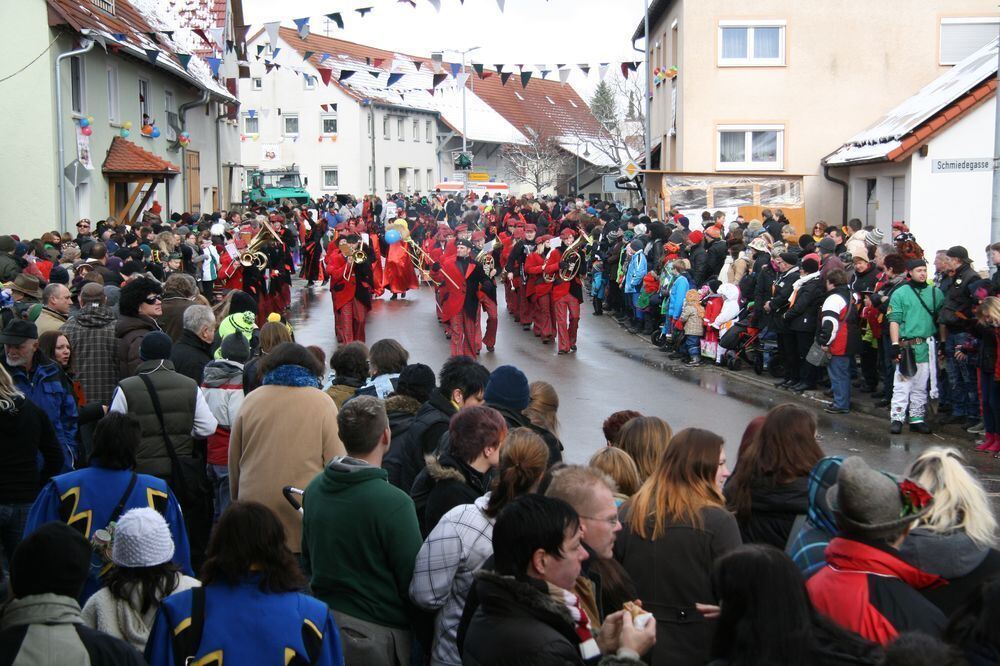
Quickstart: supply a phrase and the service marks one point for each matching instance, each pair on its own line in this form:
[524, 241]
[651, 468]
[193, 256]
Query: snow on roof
[887, 134]
[586, 151]
[135, 18]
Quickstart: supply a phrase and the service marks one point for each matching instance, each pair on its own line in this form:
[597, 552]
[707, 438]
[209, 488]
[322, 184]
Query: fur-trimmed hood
[441, 469]
[534, 595]
[402, 404]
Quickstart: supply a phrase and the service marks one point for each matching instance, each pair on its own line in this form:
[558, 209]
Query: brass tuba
[251, 254]
[572, 258]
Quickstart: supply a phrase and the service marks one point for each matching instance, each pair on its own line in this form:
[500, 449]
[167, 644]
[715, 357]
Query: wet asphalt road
[614, 370]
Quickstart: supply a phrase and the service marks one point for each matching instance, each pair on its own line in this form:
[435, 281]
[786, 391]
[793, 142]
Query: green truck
[276, 185]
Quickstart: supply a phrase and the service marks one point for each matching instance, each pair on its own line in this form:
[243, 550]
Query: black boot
[598, 307]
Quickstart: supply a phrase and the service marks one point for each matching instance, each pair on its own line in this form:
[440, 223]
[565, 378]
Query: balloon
[127, 124]
[185, 135]
[84, 122]
[392, 236]
[86, 131]
[90, 119]
[124, 133]
[156, 132]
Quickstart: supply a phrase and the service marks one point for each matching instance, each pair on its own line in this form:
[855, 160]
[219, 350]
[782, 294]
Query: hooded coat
[91, 334]
[401, 410]
[773, 509]
[130, 331]
[956, 558]
[444, 483]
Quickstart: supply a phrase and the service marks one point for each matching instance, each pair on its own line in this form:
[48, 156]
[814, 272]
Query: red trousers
[349, 322]
[466, 336]
[566, 311]
[512, 298]
[541, 316]
[490, 307]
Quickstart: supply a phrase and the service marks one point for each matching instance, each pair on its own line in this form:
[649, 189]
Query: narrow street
[614, 370]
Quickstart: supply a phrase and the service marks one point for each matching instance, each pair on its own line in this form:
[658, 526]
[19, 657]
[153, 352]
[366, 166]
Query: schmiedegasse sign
[961, 164]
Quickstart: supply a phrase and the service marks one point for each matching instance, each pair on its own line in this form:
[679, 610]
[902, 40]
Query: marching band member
[515, 268]
[508, 238]
[399, 276]
[460, 277]
[567, 295]
[541, 300]
[373, 251]
[487, 258]
[351, 285]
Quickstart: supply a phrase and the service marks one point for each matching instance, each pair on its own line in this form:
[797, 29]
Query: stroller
[293, 495]
[746, 344]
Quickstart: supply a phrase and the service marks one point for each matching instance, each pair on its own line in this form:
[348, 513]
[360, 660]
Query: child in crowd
[693, 316]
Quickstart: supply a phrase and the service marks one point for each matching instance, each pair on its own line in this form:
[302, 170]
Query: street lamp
[466, 51]
[586, 153]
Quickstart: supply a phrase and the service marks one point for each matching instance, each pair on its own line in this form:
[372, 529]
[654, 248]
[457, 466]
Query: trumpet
[252, 255]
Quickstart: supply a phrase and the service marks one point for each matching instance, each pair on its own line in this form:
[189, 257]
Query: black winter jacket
[26, 431]
[954, 557]
[444, 483]
[717, 252]
[773, 509]
[518, 420]
[401, 411]
[803, 315]
[698, 256]
[783, 284]
[190, 355]
[423, 437]
[958, 312]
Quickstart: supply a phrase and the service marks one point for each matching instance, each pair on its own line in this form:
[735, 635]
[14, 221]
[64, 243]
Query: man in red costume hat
[351, 285]
[567, 295]
[515, 272]
[488, 287]
[541, 300]
[460, 277]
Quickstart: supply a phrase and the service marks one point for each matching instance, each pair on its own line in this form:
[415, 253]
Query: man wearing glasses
[84, 237]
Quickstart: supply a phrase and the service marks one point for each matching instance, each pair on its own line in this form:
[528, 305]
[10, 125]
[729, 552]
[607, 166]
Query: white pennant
[461, 79]
[272, 31]
[564, 75]
[604, 71]
[265, 112]
[436, 3]
[500, 4]
[217, 35]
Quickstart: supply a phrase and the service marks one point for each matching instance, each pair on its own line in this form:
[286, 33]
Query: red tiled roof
[126, 157]
[203, 14]
[566, 115]
[943, 119]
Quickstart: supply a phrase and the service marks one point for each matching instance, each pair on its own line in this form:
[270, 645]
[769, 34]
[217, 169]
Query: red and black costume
[488, 293]
[539, 293]
[460, 279]
[566, 296]
[312, 250]
[351, 287]
[399, 275]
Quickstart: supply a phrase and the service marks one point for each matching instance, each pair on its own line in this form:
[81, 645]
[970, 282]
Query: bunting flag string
[478, 67]
[346, 74]
[393, 78]
[184, 59]
[338, 19]
[151, 55]
[504, 76]
[439, 79]
[302, 26]
[214, 64]
[525, 77]
[324, 73]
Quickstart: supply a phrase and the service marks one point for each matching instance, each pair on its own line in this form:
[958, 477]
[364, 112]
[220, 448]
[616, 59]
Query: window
[749, 43]
[105, 5]
[400, 129]
[430, 179]
[387, 179]
[385, 127]
[328, 122]
[308, 82]
[416, 180]
[331, 178]
[751, 147]
[416, 130]
[371, 126]
[256, 83]
[78, 85]
[290, 124]
[251, 125]
[143, 98]
[961, 37]
[114, 113]
[168, 107]
[428, 131]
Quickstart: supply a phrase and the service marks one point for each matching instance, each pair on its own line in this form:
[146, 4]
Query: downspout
[843, 185]
[181, 114]
[61, 164]
[218, 159]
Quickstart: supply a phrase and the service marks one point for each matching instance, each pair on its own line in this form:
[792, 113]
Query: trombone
[356, 257]
[419, 259]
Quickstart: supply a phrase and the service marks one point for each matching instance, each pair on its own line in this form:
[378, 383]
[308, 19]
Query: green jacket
[360, 540]
[916, 320]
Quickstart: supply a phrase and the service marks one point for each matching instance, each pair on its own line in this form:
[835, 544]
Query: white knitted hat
[142, 539]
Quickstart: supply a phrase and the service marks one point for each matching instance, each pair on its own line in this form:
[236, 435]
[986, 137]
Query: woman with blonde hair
[543, 406]
[675, 528]
[621, 468]
[463, 540]
[644, 438]
[956, 539]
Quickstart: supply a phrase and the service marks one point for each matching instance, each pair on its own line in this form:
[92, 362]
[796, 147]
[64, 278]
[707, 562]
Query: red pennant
[439, 78]
[625, 69]
[325, 107]
[378, 61]
[324, 73]
[201, 33]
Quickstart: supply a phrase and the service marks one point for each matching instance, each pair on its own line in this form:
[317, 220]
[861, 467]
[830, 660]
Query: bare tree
[618, 107]
[537, 163]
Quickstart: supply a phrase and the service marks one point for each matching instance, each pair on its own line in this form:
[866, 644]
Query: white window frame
[308, 82]
[387, 127]
[257, 83]
[387, 178]
[114, 102]
[370, 122]
[416, 130]
[81, 65]
[749, 60]
[960, 20]
[323, 117]
[401, 127]
[168, 107]
[322, 175]
[748, 164]
[284, 124]
[417, 180]
[429, 131]
[143, 98]
[246, 119]
[430, 179]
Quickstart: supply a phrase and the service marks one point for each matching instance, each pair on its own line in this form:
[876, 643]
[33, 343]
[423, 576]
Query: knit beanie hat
[508, 386]
[54, 559]
[242, 302]
[59, 275]
[417, 381]
[695, 237]
[155, 346]
[235, 348]
[874, 238]
[7, 244]
[810, 265]
[141, 539]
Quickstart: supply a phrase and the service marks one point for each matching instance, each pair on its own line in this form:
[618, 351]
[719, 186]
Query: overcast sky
[527, 31]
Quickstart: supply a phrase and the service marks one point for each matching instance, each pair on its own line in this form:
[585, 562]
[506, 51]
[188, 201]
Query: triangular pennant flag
[325, 107]
[266, 113]
[274, 53]
[525, 77]
[486, 75]
[333, 107]
[375, 75]
[153, 37]
[478, 67]
[363, 10]
[456, 67]
[585, 69]
[417, 64]
[260, 49]
[120, 36]
[338, 19]
[268, 67]
[169, 34]
[346, 74]
[625, 70]
[462, 78]
[436, 3]
[151, 55]
[499, 68]
[272, 31]
[393, 78]
[308, 54]
[438, 78]
[378, 62]
[500, 4]
[324, 73]
[302, 25]
[230, 45]
[204, 36]
[560, 65]
[603, 70]
[545, 72]
[214, 64]
[431, 91]
[402, 97]
[252, 113]
[323, 57]
[504, 76]
[564, 75]
[100, 40]
[218, 36]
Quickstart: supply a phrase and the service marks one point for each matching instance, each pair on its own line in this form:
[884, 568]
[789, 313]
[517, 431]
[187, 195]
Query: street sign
[608, 183]
[630, 169]
[962, 164]
[76, 173]
[479, 176]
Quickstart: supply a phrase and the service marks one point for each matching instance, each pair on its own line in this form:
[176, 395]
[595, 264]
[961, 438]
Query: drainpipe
[181, 114]
[843, 185]
[61, 164]
[218, 157]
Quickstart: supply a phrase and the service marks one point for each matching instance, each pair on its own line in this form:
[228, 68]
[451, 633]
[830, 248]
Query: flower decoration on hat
[914, 497]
